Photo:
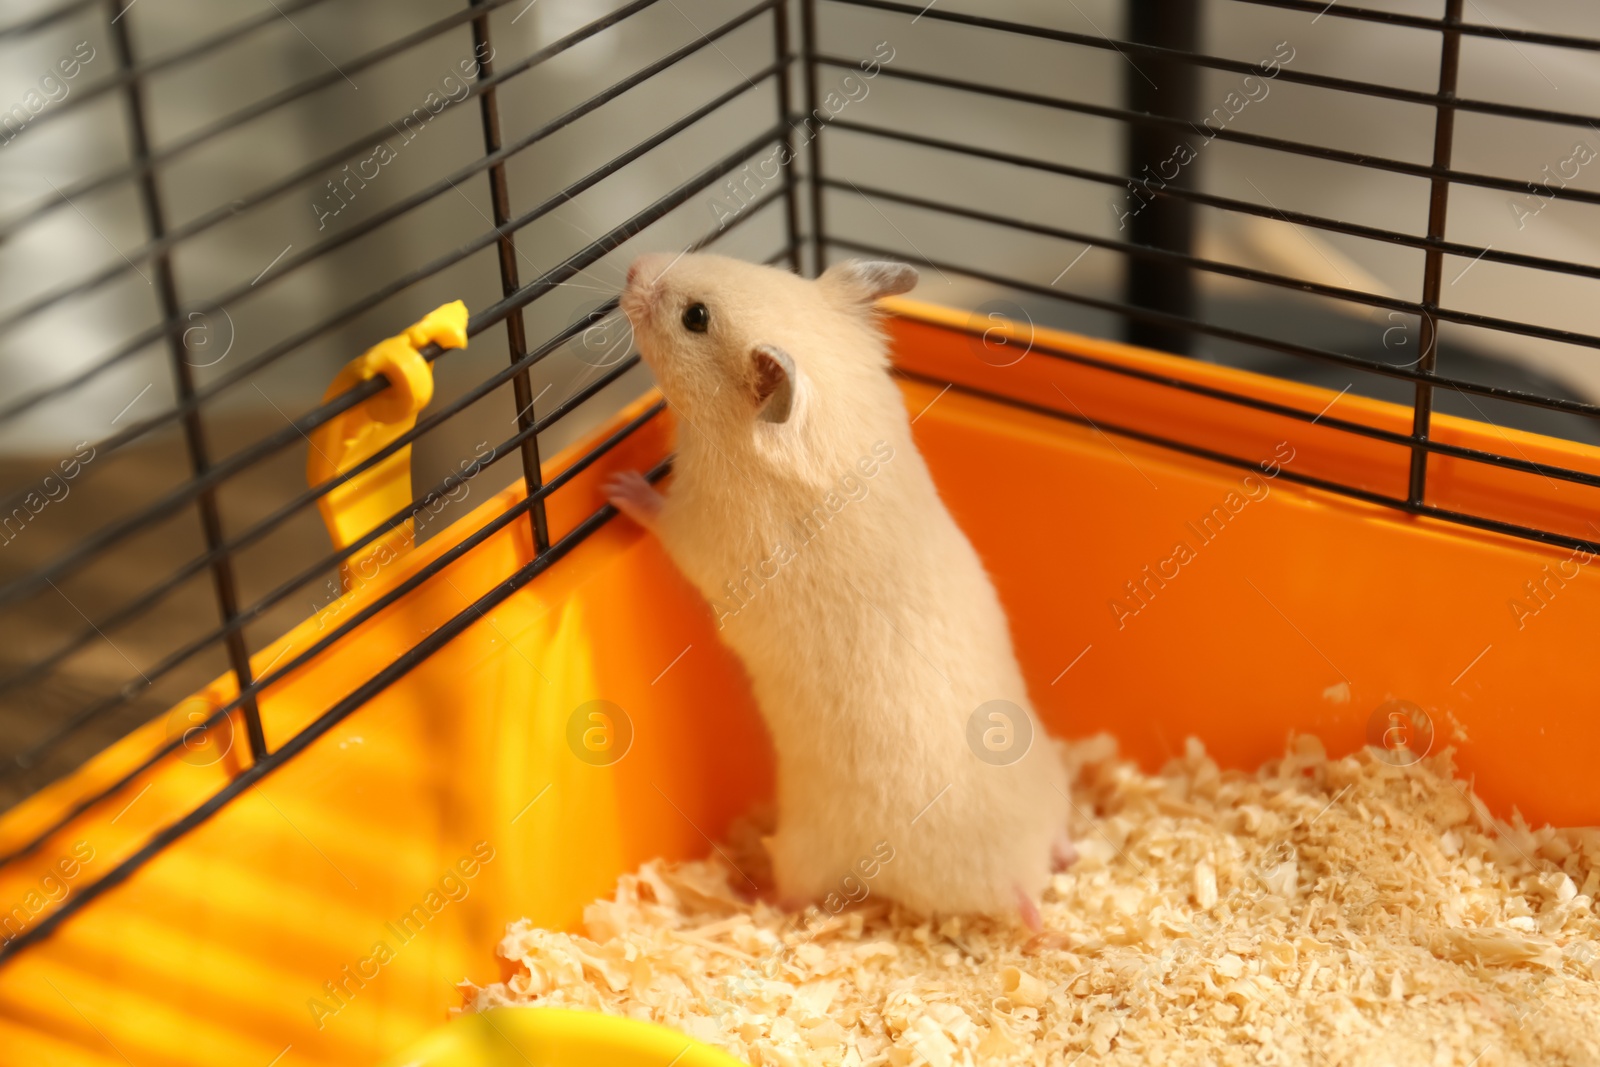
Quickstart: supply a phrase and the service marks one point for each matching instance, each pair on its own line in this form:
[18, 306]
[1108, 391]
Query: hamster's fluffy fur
[875, 636]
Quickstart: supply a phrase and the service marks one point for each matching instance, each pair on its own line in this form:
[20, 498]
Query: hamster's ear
[774, 383]
[861, 281]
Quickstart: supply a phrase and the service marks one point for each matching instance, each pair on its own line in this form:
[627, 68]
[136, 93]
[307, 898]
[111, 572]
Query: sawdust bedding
[1329, 912]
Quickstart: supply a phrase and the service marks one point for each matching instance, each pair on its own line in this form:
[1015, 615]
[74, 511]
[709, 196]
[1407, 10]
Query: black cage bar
[1159, 305]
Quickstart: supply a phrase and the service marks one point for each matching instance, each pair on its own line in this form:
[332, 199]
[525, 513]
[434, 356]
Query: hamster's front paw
[635, 497]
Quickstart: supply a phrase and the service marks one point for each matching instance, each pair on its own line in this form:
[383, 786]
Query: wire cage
[444, 150]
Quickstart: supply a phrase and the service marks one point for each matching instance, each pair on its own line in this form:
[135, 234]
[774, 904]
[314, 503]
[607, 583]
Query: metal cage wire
[1159, 299]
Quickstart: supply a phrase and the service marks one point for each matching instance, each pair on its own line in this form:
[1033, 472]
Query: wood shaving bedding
[1329, 912]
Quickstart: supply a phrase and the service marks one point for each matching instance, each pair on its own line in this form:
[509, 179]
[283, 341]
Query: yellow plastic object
[551, 1037]
[352, 509]
[326, 915]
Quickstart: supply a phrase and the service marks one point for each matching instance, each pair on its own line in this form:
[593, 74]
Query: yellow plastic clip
[352, 509]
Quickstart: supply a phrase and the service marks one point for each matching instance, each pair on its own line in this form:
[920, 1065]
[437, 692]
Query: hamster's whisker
[592, 369]
[562, 218]
[589, 288]
[592, 239]
[603, 287]
[601, 284]
[583, 380]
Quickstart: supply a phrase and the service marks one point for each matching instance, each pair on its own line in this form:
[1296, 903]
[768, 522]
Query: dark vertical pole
[1444, 126]
[222, 576]
[516, 333]
[1160, 86]
[791, 188]
[808, 39]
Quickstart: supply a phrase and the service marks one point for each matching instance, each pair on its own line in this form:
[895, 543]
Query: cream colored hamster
[872, 635]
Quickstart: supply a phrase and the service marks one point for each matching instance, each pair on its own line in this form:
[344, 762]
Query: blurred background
[318, 163]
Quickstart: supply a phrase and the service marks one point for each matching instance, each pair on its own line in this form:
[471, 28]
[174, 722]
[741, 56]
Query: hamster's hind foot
[1063, 853]
[1030, 911]
[635, 497]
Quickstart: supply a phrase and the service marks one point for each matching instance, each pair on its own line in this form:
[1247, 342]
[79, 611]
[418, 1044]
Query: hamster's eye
[696, 318]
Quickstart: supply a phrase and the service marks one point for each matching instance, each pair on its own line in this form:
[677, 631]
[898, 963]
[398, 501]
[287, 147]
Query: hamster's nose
[646, 269]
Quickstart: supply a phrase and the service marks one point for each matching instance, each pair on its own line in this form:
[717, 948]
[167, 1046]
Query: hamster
[801, 509]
